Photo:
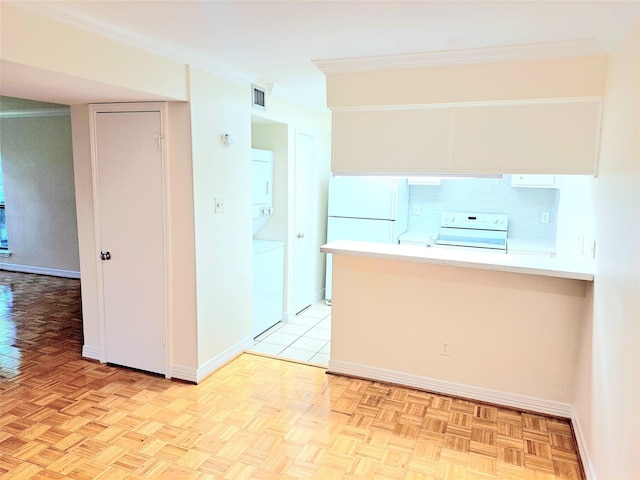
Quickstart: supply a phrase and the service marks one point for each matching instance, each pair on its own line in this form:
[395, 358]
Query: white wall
[575, 231]
[37, 164]
[223, 241]
[181, 237]
[607, 398]
[86, 231]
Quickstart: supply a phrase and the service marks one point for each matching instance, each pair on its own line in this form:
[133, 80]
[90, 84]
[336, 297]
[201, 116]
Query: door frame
[94, 110]
[311, 213]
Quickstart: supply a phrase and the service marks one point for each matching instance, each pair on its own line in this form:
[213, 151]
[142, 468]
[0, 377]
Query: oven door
[469, 249]
[490, 241]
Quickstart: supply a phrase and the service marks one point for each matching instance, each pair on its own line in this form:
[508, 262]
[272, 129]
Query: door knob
[105, 255]
[300, 235]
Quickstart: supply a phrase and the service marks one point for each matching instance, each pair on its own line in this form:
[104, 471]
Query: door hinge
[159, 138]
[164, 339]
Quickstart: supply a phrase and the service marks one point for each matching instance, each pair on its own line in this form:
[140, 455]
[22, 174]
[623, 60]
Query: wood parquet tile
[64, 417]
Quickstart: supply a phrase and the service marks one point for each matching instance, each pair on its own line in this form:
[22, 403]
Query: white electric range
[485, 232]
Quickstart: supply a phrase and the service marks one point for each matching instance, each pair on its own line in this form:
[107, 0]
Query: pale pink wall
[549, 78]
[508, 332]
[39, 46]
[607, 397]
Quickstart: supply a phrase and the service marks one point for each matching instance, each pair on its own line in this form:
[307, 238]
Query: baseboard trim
[181, 372]
[52, 272]
[521, 402]
[91, 352]
[214, 363]
[582, 446]
[319, 296]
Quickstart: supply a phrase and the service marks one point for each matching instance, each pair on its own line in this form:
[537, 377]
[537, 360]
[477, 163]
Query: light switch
[219, 204]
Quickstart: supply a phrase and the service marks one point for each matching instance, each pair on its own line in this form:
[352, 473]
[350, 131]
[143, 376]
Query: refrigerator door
[358, 229]
[364, 197]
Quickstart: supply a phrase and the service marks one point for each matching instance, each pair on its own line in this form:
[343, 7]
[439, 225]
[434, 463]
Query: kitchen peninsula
[498, 328]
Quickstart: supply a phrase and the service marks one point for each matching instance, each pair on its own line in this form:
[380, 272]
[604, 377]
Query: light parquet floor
[63, 417]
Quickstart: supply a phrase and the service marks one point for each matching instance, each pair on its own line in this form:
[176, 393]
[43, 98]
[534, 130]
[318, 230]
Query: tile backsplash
[487, 195]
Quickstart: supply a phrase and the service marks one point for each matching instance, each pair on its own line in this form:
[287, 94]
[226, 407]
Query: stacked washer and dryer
[268, 255]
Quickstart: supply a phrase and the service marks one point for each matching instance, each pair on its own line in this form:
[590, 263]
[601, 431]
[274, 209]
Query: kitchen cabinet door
[400, 142]
[545, 138]
[262, 182]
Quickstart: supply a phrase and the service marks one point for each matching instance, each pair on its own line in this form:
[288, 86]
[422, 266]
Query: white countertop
[418, 237]
[526, 264]
[520, 245]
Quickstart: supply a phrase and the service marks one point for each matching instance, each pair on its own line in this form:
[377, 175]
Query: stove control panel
[475, 221]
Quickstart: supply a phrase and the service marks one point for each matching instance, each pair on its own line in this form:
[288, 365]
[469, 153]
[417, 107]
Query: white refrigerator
[367, 209]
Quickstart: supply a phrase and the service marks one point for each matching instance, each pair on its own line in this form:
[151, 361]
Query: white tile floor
[306, 337]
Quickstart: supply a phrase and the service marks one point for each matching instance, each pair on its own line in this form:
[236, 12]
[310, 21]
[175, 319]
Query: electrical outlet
[416, 209]
[445, 348]
[544, 217]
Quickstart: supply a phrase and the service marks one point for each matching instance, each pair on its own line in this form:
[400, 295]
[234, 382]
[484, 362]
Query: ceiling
[274, 42]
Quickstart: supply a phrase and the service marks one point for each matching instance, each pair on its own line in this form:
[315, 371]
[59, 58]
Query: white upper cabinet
[545, 138]
[262, 182]
[401, 141]
[533, 137]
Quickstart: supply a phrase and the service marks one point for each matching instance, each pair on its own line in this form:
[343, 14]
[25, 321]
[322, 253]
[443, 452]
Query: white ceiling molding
[577, 48]
[80, 18]
[466, 104]
[36, 112]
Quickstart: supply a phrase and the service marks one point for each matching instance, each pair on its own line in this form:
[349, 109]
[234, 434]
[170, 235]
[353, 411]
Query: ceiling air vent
[258, 97]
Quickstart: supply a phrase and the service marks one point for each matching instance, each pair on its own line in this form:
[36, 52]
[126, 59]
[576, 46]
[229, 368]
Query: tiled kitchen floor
[306, 337]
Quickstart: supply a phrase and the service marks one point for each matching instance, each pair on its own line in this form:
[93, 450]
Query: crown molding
[81, 18]
[577, 48]
[36, 112]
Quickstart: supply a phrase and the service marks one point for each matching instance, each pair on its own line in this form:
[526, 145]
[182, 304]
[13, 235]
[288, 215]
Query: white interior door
[304, 209]
[130, 210]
